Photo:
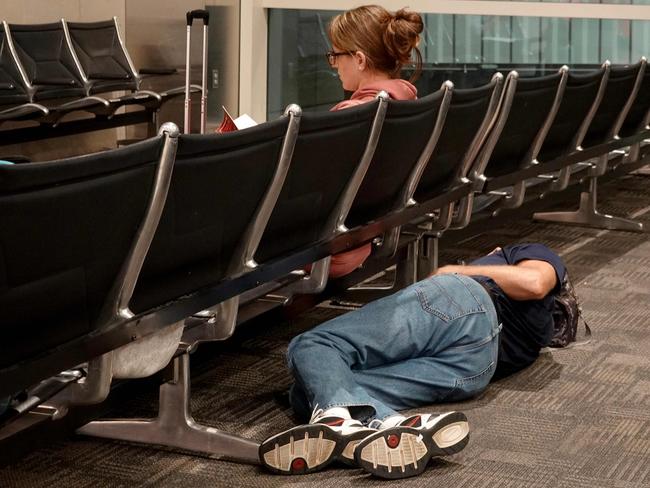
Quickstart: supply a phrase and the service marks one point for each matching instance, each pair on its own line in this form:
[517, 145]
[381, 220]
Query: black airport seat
[103, 58]
[48, 69]
[409, 134]
[105, 64]
[573, 117]
[467, 125]
[219, 184]
[466, 128]
[67, 229]
[637, 120]
[582, 97]
[527, 111]
[637, 116]
[14, 99]
[329, 149]
[618, 98]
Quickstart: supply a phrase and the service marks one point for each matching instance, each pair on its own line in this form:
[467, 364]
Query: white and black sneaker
[310, 447]
[405, 449]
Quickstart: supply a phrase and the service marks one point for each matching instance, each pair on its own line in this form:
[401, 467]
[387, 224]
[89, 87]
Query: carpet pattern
[579, 417]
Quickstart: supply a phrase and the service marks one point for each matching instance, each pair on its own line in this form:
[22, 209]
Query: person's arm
[526, 280]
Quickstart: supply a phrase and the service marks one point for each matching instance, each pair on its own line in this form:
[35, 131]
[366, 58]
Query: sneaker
[310, 447]
[404, 450]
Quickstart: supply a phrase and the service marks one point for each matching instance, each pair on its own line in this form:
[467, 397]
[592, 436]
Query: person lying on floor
[439, 340]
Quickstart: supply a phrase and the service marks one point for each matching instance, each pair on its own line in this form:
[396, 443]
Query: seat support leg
[428, 256]
[587, 215]
[174, 426]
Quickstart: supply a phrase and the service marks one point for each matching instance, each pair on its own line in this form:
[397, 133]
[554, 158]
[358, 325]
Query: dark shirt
[527, 324]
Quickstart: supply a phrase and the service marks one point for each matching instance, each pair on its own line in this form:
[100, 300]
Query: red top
[346, 262]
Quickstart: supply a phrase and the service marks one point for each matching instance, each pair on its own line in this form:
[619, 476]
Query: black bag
[566, 315]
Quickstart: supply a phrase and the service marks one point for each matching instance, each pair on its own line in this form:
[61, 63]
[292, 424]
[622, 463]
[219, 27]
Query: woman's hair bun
[408, 16]
[402, 34]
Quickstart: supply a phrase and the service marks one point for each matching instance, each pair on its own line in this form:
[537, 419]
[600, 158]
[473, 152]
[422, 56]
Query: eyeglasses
[332, 55]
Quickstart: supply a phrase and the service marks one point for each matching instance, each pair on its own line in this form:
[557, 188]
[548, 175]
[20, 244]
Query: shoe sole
[308, 448]
[401, 452]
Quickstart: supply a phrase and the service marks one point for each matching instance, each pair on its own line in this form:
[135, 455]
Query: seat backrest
[620, 86]
[406, 131]
[66, 230]
[102, 55]
[47, 61]
[532, 103]
[329, 148]
[580, 95]
[218, 184]
[465, 128]
[12, 90]
[637, 117]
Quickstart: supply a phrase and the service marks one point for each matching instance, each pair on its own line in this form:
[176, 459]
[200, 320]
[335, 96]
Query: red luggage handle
[198, 14]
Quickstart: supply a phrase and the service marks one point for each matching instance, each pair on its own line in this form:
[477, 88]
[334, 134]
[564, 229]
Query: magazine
[229, 124]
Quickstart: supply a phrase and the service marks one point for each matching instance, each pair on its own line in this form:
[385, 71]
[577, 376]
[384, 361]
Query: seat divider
[516, 197]
[391, 238]
[14, 57]
[564, 176]
[462, 217]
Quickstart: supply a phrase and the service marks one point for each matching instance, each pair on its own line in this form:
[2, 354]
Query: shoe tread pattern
[449, 435]
[317, 445]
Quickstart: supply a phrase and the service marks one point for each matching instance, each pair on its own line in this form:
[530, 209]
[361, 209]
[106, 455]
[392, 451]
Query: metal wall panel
[155, 36]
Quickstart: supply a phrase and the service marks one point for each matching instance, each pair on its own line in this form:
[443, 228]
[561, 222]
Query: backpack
[566, 316]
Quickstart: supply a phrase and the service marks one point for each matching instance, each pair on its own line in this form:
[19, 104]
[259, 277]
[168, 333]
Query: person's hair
[387, 39]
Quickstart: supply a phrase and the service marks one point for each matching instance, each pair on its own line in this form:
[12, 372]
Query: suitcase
[205, 16]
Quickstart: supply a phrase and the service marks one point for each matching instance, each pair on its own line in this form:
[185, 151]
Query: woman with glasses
[370, 45]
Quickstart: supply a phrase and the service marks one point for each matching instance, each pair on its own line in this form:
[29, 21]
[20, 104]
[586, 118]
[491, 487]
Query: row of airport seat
[106, 259]
[50, 70]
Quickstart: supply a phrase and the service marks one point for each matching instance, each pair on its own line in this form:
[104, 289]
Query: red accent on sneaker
[333, 423]
[392, 441]
[298, 464]
[417, 420]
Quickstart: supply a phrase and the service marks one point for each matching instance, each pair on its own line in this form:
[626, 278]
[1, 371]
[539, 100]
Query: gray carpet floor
[578, 417]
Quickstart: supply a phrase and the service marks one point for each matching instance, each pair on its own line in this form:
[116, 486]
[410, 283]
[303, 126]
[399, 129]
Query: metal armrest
[26, 111]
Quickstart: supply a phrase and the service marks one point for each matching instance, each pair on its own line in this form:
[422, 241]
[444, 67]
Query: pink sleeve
[347, 104]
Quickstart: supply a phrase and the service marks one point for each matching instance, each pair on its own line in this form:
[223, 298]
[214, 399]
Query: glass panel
[526, 40]
[297, 69]
[466, 49]
[497, 40]
[584, 41]
[615, 40]
[467, 38]
[437, 44]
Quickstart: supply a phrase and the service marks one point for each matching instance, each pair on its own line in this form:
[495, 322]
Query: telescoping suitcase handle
[205, 16]
[198, 14]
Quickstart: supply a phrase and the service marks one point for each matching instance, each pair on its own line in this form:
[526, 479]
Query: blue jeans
[434, 341]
